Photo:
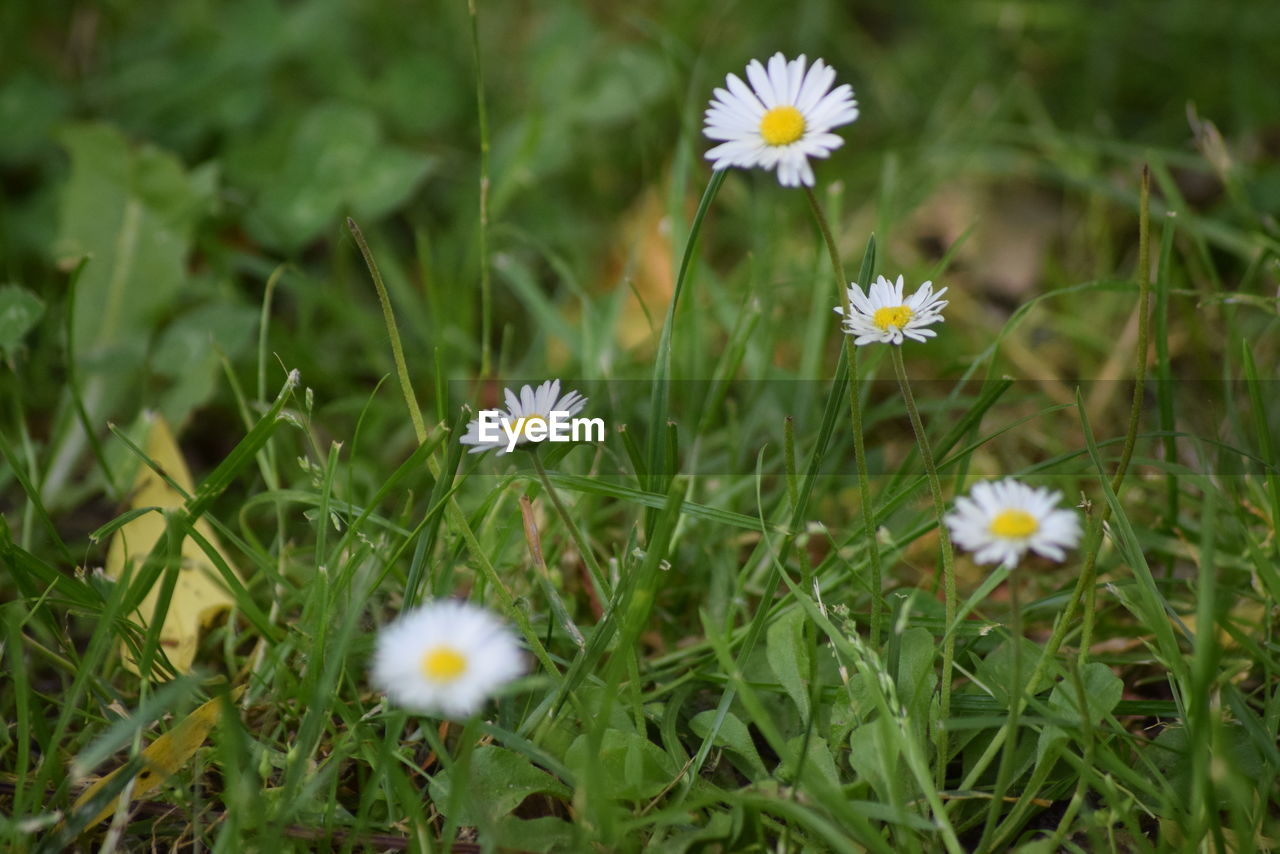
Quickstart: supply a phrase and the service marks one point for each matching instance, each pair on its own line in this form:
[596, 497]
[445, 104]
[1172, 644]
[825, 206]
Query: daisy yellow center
[443, 664]
[1014, 524]
[782, 126]
[529, 419]
[897, 315]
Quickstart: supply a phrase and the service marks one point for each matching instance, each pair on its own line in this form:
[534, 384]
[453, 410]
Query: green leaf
[868, 756]
[535, 834]
[1239, 758]
[637, 768]
[916, 676]
[995, 672]
[20, 311]
[917, 680]
[818, 759]
[132, 210]
[1102, 691]
[362, 174]
[788, 655]
[733, 735]
[188, 354]
[500, 780]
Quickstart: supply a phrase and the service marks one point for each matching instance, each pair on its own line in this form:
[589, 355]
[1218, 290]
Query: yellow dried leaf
[164, 756]
[199, 594]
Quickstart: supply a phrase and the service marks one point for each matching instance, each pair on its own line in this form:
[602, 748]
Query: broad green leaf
[636, 767]
[537, 835]
[917, 678]
[995, 671]
[20, 311]
[132, 210]
[499, 781]
[788, 655]
[1102, 690]
[1239, 757]
[188, 354]
[733, 735]
[363, 175]
[818, 759]
[867, 755]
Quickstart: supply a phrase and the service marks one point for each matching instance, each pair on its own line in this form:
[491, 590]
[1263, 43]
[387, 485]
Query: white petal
[761, 84]
[816, 83]
[749, 100]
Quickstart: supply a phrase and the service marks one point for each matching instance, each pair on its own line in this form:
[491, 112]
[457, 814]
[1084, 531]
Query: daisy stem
[584, 548]
[1085, 589]
[486, 297]
[1093, 542]
[948, 565]
[1016, 693]
[393, 333]
[855, 415]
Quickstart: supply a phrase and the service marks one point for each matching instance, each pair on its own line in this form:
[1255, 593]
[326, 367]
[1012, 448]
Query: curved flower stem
[948, 565]
[1085, 588]
[855, 415]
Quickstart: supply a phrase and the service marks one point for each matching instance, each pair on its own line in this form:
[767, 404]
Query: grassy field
[742, 624]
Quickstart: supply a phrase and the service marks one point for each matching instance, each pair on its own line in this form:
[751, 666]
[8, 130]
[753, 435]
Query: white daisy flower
[445, 658]
[999, 522]
[533, 405]
[781, 120]
[885, 316]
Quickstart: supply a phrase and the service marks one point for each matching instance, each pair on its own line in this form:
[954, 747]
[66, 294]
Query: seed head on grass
[781, 120]
[1000, 522]
[885, 316]
[445, 658]
[530, 406]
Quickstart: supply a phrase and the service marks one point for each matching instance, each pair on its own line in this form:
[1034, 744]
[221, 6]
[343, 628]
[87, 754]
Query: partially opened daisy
[506, 430]
[999, 522]
[781, 120]
[884, 315]
[446, 658]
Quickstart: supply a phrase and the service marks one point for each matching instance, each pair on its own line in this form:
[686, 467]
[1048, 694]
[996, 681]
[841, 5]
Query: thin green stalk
[1139, 379]
[1144, 327]
[486, 294]
[397, 352]
[855, 415]
[948, 563]
[789, 459]
[584, 548]
[77, 395]
[1016, 691]
[660, 394]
